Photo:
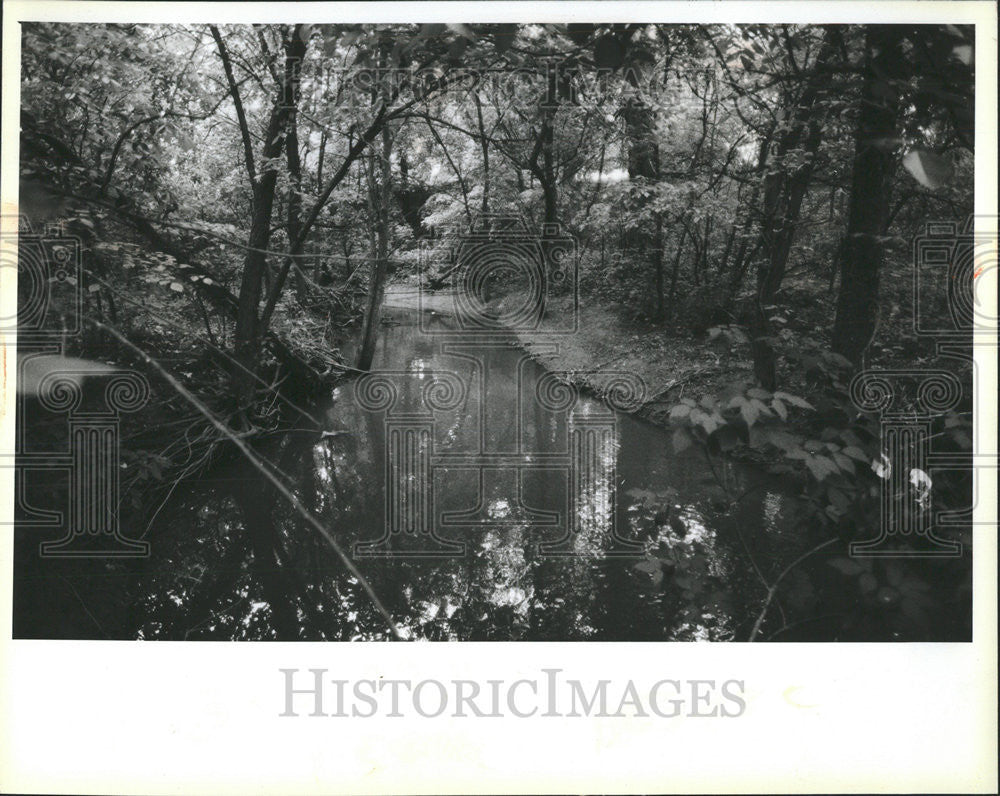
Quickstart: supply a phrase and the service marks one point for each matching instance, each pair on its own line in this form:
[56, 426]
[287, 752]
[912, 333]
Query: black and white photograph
[521, 331]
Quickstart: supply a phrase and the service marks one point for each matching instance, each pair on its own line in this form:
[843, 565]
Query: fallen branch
[259, 466]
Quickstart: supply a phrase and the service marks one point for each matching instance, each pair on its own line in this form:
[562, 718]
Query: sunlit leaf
[930, 170]
[922, 484]
[963, 52]
[882, 467]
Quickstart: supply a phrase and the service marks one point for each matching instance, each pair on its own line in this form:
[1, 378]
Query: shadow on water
[234, 560]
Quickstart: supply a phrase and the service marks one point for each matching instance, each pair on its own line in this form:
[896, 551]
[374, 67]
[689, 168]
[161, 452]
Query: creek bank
[671, 365]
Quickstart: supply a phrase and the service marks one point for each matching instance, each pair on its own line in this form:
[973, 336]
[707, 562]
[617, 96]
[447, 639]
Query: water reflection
[542, 543]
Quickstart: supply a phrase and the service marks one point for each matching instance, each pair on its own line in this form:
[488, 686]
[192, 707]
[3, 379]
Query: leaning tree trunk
[871, 182]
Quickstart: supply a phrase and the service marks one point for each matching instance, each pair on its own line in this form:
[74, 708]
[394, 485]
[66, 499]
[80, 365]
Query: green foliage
[830, 455]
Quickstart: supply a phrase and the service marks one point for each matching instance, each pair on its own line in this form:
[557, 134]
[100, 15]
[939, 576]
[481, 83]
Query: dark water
[635, 542]
[548, 554]
[524, 547]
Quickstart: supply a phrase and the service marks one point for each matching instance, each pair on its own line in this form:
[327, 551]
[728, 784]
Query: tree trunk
[676, 269]
[546, 174]
[376, 289]
[294, 209]
[745, 255]
[660, 307]
[781, 216]
[730, 239]
[486, 154]
[862, 251]
[247, 333]
[644, 164]
[783, 195]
